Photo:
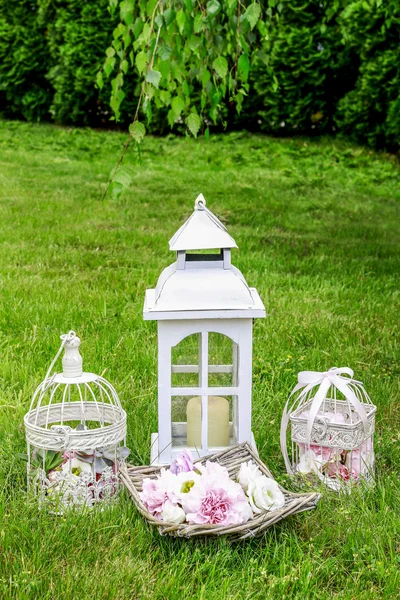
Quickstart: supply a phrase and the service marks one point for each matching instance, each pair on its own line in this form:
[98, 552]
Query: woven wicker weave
[232, 458]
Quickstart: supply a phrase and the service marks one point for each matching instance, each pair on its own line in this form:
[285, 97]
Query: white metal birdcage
[332, 422]
[75, 433]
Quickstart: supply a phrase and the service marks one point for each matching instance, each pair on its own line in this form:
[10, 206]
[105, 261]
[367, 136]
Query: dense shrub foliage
[312, 67]
[370, 112]
[25, 91]
[77, 35]
[332, 65]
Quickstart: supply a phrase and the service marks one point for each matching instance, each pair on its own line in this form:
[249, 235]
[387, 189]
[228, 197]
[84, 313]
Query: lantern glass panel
[221, 350]
[179, 407]
[185, 362]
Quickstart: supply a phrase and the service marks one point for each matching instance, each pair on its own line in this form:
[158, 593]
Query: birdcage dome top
[74, 409]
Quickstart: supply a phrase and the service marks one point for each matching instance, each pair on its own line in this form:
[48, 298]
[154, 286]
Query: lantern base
[155, 458]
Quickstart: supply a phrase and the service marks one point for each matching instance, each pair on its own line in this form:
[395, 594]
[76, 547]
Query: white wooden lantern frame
[202, 294]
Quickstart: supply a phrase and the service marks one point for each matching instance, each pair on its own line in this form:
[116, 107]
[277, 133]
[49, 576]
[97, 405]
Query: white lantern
[205, 311]
[332, 422]
[75, 429]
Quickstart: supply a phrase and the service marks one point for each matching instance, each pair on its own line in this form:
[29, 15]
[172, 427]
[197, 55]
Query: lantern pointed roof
[202, 231]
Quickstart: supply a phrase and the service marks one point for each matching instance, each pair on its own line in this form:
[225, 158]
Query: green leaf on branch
[213, 7]
[193, 122]
[153, 77]
[99, 80]
[141, 61]
[112, 6]
[177, 105]
[220, 65]
[181, 20]
[122, 180]
[198, 24]
[137, 131]
[164, 52]
[243, 67]
[205, 77]
[253, 13]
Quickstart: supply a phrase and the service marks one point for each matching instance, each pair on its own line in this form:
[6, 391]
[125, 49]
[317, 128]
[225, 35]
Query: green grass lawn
[317, 225]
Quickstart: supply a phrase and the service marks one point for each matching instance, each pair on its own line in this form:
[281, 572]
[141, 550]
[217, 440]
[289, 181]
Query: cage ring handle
[65, 430]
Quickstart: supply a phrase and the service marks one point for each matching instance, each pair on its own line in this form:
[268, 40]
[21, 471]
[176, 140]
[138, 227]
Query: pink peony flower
[182, 463]
[323, 453]
[222, 503]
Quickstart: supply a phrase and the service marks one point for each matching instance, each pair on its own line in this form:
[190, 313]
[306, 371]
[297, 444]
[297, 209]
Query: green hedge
[313, 70]
[336, 65]
[24, 61]
[370, 112]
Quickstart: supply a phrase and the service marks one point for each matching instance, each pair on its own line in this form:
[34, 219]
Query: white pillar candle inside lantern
[202, 303]
[218, 421]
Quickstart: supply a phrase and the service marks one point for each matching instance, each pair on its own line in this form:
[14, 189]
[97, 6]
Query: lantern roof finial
[200, 202]
[202, 231]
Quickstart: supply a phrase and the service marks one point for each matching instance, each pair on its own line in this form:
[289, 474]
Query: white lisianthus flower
[183, 483]
[264, 495]
[75, 467]
[172, 513]
[248, 472]
[310, 462]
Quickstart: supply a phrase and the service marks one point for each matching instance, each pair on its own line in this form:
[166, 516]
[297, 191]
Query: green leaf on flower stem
[213, 7]
[253, 13]
[244, 66]
[181, 20]
[220, 65]
[141, 61]
[124, 66]
[153, 77]
[137, 131]
[177, 105]
[193, 122]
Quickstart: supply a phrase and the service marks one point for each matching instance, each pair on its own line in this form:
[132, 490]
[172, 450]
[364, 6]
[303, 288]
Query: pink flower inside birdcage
[332, 421]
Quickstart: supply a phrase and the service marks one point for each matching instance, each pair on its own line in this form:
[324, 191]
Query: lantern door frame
[170, 334]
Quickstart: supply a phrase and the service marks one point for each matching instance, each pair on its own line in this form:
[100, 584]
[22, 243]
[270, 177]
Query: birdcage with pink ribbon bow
[332, 422]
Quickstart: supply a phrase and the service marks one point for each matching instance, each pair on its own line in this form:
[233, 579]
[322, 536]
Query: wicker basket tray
[232, 458]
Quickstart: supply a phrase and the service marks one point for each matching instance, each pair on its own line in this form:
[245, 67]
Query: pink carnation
[156, 492]
[222, 503]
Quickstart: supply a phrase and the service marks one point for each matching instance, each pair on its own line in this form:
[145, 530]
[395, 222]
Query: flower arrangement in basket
[332, 429]
[75, 429]
[231, 493]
